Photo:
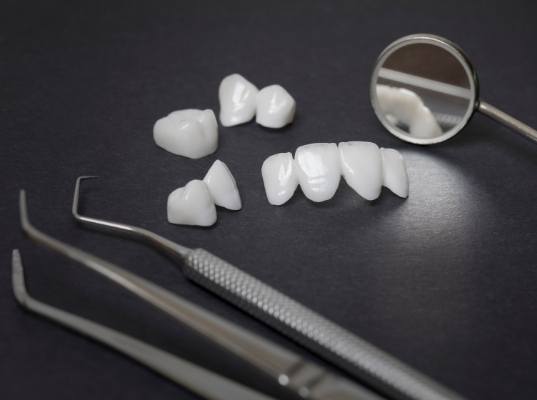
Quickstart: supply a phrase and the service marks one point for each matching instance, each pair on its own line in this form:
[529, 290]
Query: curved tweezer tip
[17, 277]
[76, 194]
[193, 377]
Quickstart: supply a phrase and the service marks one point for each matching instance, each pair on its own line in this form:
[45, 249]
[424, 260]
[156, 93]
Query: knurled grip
[351, 353]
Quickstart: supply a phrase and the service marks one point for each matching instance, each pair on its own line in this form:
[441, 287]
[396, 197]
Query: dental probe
[198, 380]
[290, 370]
[383, 372]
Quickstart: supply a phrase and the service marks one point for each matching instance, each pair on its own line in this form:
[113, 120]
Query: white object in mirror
[424, 90]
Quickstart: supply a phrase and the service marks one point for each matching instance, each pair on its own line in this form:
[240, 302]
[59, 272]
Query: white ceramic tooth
[361, 165]
[192, 205]
[318, 170]
[222, 186]
[279, 177]
[394, 176]
[189, 133]
[404, 105]
[237, 100]
[424, 124]
[275, 107]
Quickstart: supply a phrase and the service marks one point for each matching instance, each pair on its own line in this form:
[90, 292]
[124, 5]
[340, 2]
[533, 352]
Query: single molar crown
[318, 167]
[195, 203]
[192, 205]
[189, 133]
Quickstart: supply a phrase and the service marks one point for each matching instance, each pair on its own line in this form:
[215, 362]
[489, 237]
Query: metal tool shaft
[353, 354]
[198, 380]
[387, 375]
[289, 369]
[498, 115]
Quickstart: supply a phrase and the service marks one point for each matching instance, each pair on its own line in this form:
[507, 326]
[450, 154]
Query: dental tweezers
[290, 370]
[198, 380]
[384, 373]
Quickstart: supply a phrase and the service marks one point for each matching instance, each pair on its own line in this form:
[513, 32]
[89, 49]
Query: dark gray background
[444, 280]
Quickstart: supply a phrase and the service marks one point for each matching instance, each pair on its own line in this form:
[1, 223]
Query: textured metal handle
[351, 353]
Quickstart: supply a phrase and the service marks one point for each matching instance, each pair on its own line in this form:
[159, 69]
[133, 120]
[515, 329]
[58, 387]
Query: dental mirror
[424, 90]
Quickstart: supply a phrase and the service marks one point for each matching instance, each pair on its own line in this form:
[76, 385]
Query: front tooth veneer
[275, 107]
[318, 166]
[361, 165]
[192, 205]
[237, 100]
[189, 133]
[279, 177]
[318, 170]
[395, 176]
[222, 186]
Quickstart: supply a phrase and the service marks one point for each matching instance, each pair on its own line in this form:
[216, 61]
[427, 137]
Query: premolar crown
[237, 100]
[240, 101]
[318, 167]
[195, 203]
[222, 186]
[275, 107]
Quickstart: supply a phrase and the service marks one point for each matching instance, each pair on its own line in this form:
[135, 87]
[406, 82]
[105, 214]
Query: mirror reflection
[424, 91]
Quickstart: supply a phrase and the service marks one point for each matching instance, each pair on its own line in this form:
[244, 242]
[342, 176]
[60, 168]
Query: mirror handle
[513, 123]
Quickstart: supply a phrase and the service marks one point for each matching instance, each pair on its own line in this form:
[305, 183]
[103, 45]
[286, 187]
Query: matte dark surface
[444, 280]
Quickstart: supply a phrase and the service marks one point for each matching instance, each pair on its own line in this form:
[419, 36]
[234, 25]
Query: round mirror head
[423, 89]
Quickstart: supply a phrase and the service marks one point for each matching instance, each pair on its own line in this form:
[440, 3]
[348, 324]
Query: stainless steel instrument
[198, 380]
[441, 91]
[384, 373]
[290, 370]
